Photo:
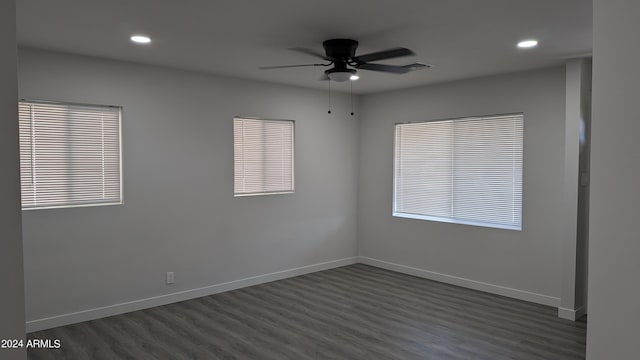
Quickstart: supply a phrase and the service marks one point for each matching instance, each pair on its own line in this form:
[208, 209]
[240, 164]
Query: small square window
[69, 155]
[263, 156]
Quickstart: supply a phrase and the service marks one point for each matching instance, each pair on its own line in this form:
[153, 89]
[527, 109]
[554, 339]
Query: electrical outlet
[170, 279]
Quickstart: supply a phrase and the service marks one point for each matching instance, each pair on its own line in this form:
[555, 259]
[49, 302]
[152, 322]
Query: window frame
[120, 164]
[293, 157]
[452, 220]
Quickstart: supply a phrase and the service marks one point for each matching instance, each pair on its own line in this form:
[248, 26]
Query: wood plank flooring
[352, 312]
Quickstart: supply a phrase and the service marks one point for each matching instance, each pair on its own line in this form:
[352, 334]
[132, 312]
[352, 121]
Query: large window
[263, 156]
[466, 171]
[69, 155]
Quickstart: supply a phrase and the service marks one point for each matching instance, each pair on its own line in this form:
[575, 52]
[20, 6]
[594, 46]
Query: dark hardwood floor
[353, 312]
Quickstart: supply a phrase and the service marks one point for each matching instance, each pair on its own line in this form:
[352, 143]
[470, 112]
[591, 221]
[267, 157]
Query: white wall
[11, 277]
[525, 264]
[614, 243]
[179, 213]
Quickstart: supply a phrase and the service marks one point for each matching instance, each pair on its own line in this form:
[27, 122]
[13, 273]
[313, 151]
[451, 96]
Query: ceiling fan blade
[289, 66]
[417, 66]
[395, 69]
[385, 54]
[312, 53]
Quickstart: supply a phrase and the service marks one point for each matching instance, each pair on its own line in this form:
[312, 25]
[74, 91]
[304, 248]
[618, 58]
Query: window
[263, 156]
[69, 155]
[466, 171]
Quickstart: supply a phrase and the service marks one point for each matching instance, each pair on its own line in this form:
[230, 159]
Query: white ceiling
[460, 38]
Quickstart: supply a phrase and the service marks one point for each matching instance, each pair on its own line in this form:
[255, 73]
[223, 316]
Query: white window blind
[69, 155]
[465, 171]
[263, 156]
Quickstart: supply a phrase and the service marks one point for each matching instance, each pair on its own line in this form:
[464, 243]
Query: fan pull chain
[329, 112]
[351, 83]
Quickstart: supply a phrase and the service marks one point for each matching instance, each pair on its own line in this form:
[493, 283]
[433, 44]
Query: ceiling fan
[341, 53]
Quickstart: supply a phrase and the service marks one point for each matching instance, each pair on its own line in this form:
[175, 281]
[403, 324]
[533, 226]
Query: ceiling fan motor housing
[340, 49]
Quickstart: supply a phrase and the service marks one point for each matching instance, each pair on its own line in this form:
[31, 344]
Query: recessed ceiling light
[141, 39]
[526, 44]
[354, 77]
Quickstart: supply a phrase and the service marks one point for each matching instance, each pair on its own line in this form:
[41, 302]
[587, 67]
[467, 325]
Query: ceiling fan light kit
[340, 75]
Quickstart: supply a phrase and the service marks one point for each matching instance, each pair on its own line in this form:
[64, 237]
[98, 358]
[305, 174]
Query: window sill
[70, 206]
[456, 221]
[264, 193]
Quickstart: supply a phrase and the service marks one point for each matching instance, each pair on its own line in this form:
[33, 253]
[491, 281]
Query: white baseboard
[121, 308]
[92, 314]
[468, 283]
[571, 314]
